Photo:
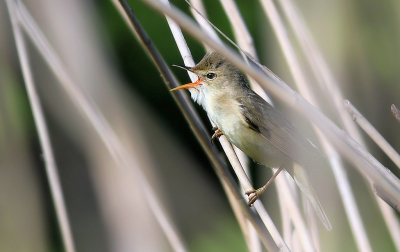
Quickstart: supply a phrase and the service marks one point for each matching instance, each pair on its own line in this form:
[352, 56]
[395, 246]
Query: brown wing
[279, 131]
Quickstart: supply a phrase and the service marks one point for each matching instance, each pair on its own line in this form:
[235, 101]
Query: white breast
[225, 113]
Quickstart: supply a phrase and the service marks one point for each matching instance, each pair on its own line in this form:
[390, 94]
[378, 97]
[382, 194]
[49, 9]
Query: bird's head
[216, 76]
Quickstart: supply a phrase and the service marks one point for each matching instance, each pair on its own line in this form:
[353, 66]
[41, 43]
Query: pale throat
[197, 95]
[204, 97]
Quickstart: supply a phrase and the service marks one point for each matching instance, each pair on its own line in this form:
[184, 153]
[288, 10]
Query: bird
[253, 125]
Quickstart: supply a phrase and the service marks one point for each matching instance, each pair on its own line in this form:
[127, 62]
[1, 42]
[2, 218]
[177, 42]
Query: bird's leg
[217, 134]
[259, 191]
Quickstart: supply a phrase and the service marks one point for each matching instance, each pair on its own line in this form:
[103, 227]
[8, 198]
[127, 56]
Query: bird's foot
[254, 195]
[216, 135]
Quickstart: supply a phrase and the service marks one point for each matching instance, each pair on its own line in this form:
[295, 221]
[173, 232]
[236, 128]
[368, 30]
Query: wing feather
[275, 128]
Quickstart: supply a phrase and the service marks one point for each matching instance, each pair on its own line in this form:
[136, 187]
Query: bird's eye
[211, 76]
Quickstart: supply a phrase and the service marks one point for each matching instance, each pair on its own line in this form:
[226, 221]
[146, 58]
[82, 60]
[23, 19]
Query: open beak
[189, 85]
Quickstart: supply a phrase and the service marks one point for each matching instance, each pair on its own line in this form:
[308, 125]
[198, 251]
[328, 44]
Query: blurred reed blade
[373, 133]
[44, 138]
[100, 124]
[396, 112]
[306, 91]
[327, 82]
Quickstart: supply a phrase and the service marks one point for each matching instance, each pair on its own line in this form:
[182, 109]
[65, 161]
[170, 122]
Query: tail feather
[303, 182]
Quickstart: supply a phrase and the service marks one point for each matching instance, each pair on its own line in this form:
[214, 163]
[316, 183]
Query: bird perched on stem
[253, 125]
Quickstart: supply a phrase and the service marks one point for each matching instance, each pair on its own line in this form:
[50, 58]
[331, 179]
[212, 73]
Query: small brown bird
[253, 125]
